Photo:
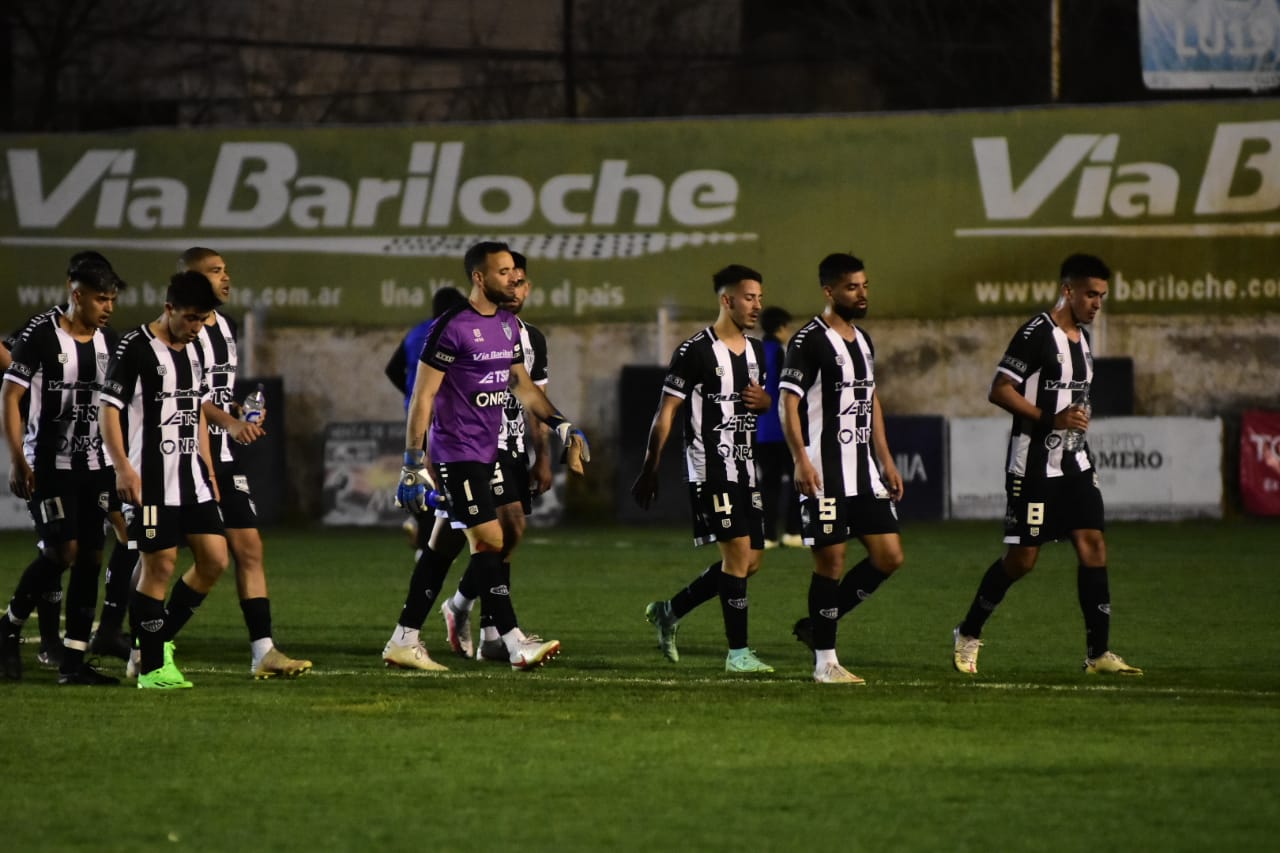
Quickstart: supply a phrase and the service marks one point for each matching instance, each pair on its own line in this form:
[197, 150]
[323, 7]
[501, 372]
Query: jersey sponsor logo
[792, 373]
[20, 370]
[854, 383]
[445, 358]
[1053, 441]
[223, 396]
[63, 358]
[162, 370]
[1066, 385]
[857, 408]
[184, 418]
[724, 398]
[79, 444]
[222, 367]
[719, 371]
[738, 423]
[182, 445]
[674, 381]
[180, 394]
[485, 399]
[114, 388]
[476, 333]
[492, 354]
[861, 435]
[493, 377]
[1016, 364]
[81, 385]
[84, 413]
[103, 360]
[735, 451]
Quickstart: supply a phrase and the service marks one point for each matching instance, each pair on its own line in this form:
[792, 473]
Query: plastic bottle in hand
[254, 405]
[1074, 439]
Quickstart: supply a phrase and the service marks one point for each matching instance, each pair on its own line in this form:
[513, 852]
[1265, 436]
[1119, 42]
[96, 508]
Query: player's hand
[756, 398]
[415, 482]
[806, 478]
[645, 488]
[893, 481]
[129, 485]
[22, 480]
[540, 477]
[243, 432]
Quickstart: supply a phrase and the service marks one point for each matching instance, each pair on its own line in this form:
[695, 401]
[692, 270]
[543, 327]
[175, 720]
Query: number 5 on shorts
[1035, 514]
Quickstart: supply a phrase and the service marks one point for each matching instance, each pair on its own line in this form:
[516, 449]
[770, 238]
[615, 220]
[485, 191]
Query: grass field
[611, 747]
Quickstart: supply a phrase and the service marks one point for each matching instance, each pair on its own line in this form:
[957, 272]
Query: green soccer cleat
[1109, 663]
[166, 677]
[659, 615]
[745, 660]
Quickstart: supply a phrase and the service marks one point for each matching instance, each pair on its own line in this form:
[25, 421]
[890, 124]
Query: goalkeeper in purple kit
[471, 361]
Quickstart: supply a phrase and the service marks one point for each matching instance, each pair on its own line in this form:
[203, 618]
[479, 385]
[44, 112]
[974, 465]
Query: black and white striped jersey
[1050, 371]
[719, 431]
[161, 388]
[34, 320]
[836, 382]
[512, 437]
[63, 377]
[217, 342]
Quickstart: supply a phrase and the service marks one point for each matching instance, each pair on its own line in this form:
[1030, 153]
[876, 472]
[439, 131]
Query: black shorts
[723, 511]
[468, 488]
[829, 521]
[238, 509]
[511, 481]
[156, 528]
[71, 505]
[1045, 509]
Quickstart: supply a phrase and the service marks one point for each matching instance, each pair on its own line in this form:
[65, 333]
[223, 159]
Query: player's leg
[875, 522]
[740, 559]
[82, 591]
[198, 523]
[147, 610]
[49, 508]
[825, 527]
[110, 639]
[1082, 503]
[439, 545]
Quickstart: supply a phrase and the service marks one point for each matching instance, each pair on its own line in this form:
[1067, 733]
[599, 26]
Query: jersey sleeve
[517, 352]
[538, 343]
[1023, 355]
[441, 349]
[123, 372]
[801, 366]
[682, 373]
[26, 360]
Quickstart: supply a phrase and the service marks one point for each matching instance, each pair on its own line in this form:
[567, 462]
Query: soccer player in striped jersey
[834, 425]
[718, 372]
[57, 464]
[473, 359]
[514, 484]
[217, 342]
[166, 474]
[1052, 492]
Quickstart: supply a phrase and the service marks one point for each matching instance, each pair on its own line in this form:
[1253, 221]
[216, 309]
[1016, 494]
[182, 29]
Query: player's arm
[397, 368]
[206, 453]
[577, 451]
[540, 477]
[806, 477]
[22, 480]
[645, 488]
[240, 431]
[5, 358]
[1005, 393]
[128, 483]
[415, 477]
[880, 443]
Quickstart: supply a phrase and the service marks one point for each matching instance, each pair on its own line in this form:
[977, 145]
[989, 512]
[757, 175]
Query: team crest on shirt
[63, 358]
[506, 329]
[840, 361]
[1061, 358]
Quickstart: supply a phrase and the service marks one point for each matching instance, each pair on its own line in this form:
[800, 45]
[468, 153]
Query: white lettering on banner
[256, 186]
[1148, 468]
[1243, 155]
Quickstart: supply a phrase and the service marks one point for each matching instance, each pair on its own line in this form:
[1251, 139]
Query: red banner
[1260, 462]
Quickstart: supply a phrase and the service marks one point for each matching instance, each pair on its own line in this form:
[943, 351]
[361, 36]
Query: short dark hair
[1080, 266]
[79, 259]
[772, 319]
[96, 276]
[190, 289]
[444, 299]
[480, 252]
[836, 266]
[522, 263]
[194, 255]
[733, 274]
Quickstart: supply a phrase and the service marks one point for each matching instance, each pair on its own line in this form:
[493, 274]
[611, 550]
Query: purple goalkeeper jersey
[476, 353]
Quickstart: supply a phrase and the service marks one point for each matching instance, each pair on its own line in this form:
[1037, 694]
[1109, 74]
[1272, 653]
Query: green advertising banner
[955, 214]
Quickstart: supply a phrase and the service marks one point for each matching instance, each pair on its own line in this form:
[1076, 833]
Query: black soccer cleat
[87, 676]
[112, 644]
[10, 656]
[803, 631]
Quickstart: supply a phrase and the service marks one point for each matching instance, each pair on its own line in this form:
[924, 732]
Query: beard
[848, 312]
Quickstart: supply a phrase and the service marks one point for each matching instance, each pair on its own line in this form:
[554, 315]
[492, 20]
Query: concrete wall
[1182, 366]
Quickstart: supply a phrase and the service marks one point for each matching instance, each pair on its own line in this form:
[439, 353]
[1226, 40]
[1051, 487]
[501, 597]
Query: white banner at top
[1210, 44]
[1148, 468]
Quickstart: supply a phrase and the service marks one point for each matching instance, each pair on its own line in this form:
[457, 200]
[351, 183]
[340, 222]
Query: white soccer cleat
[1110, 663]
[965, 652]
[834, 673]
[533, 651]
[457, 630]
[397, 656]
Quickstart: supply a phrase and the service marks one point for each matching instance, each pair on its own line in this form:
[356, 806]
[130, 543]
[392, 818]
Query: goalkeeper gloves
[566, 433]
[415, 483]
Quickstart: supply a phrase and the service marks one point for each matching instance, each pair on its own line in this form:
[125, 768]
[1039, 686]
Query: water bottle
[1074, 439]
[254, 405]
